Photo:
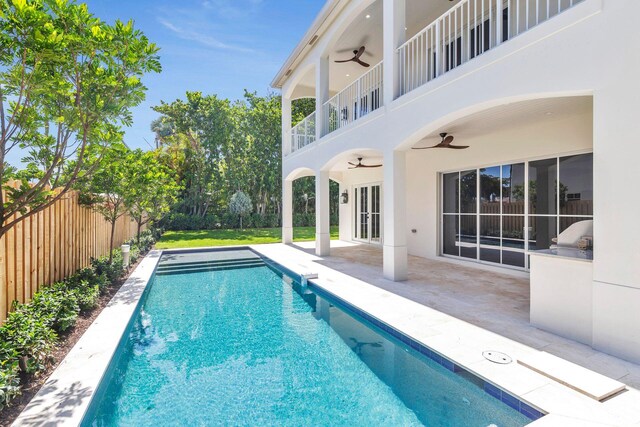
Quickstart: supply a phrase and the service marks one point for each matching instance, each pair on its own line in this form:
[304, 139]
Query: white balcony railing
[467, 30]
[355, 101]
[304, 133]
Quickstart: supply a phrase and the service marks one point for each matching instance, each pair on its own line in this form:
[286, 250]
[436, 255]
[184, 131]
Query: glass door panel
[450, 226]
[363, 214]
[375, 214]
[368, 213]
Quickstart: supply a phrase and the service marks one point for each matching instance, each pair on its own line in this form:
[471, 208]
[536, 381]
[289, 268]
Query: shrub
[29, 337]
[9, 379]
[146, 242]
[57, 305]
[87, 297]
[113, 270]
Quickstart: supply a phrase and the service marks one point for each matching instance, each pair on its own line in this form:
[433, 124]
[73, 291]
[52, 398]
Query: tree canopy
[68, 82]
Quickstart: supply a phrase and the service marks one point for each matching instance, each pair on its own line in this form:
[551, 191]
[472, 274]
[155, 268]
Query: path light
[125, 255]
[344, 197]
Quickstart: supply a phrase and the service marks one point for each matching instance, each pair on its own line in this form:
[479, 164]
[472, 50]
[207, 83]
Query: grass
[253, 236]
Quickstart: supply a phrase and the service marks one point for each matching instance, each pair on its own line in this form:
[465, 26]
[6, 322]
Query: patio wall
[51, 245]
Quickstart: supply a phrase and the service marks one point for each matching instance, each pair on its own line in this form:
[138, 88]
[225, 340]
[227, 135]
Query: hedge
[31, 331]
[185, 222]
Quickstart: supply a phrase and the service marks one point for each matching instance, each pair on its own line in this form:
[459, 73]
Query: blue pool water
[247, 346]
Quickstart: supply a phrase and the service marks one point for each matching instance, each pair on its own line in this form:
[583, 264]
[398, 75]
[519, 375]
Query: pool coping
[65, 397]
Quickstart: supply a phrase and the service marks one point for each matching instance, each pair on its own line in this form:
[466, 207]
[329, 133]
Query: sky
[214, 46]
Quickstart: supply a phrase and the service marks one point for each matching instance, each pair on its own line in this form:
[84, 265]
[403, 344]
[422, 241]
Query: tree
[204, 126]
[105, 189]
[67, 84]
[240, 204]
[151, 188]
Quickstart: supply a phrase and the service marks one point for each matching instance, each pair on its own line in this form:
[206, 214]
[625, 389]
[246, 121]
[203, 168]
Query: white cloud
[203, 39]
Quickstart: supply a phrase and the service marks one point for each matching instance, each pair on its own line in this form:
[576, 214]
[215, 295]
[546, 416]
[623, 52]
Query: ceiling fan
[357, 53]
[360, 165]
[445, 143]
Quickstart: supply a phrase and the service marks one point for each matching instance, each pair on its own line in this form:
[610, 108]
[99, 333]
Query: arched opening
[304, 208]
[524, 179]
[360, 208]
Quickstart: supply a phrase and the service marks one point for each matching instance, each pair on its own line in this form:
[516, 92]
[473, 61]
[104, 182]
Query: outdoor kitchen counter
[562, 292]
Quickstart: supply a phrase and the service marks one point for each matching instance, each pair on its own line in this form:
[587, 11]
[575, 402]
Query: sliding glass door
[485, 216]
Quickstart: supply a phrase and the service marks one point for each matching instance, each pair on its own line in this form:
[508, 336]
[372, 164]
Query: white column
[286, 126]
[394, 34]
[394, 261]
[616, 258]
[287, 211]
[323, 238]
[322, 94]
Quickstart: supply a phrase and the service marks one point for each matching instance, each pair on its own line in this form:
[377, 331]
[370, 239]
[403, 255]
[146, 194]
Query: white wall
[505, 145]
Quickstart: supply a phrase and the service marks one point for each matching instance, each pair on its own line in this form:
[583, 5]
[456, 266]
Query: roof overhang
[327, 15]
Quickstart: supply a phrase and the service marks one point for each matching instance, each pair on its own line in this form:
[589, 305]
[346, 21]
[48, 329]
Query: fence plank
[52, 244]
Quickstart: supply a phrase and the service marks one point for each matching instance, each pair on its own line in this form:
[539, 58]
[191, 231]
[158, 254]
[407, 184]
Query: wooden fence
[52, 244]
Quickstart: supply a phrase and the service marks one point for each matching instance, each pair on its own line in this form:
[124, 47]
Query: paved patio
[498, 302]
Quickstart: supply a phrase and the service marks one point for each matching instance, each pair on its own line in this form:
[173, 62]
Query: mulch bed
[31, 383]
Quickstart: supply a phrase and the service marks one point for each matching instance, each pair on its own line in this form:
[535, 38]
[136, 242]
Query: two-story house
[488, 132]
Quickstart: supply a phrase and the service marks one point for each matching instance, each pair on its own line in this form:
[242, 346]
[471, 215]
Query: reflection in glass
[542, 186]
[513, 189]
[490, 190]
[468, 236]
[468, 190]
[450, 234]
[542, 229]
[490, 255]
[515, 259]
[490, 230]
[513, 231]
[450, 192]
[576, 185]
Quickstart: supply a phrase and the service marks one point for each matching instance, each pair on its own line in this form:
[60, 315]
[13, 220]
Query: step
[583, 380]
[207, 262]
[204, 265]
[183, 270]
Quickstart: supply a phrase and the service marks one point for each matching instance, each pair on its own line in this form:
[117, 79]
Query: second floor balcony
[454, 35]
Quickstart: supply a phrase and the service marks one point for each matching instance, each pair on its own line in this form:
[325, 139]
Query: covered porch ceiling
[514, 115]
[366, 30]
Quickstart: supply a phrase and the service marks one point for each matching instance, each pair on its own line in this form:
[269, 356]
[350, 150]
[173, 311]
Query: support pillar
[322, 94]
[616, 258]
[394, 261]
[286, 126]
[394, 34]
[287, 211]
[323, 237]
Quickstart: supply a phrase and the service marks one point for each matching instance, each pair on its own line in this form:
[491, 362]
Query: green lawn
[192, 239]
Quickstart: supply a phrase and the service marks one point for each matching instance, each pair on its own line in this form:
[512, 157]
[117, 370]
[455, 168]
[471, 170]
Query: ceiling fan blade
[364, 64]
[370, 166]
[448, 140]
[359, 52]
[353, 164]
[345, 60]
[354, 167]
[458, 147]
[423, 148]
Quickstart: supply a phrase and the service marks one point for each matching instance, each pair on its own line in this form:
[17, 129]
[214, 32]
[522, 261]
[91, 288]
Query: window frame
[526, 215]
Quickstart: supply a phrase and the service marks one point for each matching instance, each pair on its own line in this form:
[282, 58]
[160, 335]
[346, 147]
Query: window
[496, 214]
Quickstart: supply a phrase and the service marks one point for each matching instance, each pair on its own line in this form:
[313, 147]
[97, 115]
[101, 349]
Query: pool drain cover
[497, 357]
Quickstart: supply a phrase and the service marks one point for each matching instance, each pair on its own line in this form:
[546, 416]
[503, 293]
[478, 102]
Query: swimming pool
[225, 338]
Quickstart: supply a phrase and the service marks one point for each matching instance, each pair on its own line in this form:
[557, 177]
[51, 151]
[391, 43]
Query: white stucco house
[547, 102]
